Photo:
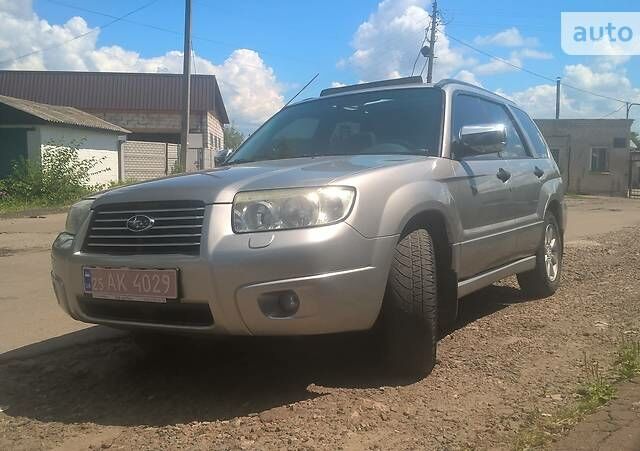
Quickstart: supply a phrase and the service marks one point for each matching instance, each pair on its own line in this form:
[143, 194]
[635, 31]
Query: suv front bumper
[339, 276]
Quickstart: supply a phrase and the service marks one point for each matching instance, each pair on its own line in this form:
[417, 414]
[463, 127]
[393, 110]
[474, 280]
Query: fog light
[289, 302]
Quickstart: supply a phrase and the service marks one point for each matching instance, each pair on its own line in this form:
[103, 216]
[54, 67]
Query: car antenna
[299, 92]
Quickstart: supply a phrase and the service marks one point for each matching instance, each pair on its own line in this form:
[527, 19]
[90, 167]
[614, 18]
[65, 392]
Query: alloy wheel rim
[551, 252]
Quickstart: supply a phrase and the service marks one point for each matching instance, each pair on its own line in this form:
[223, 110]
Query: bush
[60, 178]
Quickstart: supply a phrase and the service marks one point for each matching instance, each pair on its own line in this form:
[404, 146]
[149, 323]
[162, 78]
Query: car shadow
[487, 301]
[114, 382]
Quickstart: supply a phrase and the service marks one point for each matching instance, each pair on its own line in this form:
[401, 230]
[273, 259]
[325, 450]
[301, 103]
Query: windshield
[399, 121]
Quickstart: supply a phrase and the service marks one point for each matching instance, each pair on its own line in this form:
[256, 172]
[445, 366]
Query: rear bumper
[338, 275]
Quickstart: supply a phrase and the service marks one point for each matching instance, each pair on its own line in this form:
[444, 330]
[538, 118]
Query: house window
[210, 139]
[555, 153]
[599, 160]
[619, 143]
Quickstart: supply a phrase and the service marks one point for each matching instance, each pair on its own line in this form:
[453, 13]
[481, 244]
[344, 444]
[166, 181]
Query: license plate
[148, 285]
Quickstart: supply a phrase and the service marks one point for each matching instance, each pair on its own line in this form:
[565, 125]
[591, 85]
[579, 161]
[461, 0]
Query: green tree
[635, 138]
[232, 137]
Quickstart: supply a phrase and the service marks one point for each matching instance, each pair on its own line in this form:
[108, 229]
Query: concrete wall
[148, 160]
[99, 144]
[170, 123]
[143, 160]
[575, 138]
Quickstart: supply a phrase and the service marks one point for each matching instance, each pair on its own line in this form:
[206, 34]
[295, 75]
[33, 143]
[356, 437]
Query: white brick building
[28, 130]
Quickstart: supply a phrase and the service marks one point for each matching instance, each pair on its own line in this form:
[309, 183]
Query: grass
[16, 206]
[597, 389]
[627, 363]
[10, 206]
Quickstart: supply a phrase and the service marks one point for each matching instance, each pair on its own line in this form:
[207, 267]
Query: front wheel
[410, 309]
[544, 279]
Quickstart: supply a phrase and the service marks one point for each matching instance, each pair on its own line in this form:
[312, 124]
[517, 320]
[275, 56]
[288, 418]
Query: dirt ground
[508, 358]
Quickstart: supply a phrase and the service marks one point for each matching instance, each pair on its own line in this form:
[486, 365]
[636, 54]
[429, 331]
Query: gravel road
[508, 357]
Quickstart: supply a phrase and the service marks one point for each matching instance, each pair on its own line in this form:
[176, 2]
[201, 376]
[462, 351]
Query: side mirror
[483, 139]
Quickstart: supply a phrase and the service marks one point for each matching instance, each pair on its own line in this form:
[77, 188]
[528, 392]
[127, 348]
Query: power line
[614, 111]
[80, 36]
[535, 74]
[426, 36]
[175, 32]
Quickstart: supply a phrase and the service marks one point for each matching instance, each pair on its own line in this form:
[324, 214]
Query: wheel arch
[435, 222]
[555, 207]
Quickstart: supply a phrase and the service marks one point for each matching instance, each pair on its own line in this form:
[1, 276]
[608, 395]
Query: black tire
[537, 283]
[410, 309]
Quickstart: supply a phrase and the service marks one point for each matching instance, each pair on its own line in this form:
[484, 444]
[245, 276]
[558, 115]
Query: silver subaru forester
[373, 206]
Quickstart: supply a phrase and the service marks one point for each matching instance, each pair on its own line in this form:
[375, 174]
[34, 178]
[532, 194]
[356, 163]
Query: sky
[264, 51]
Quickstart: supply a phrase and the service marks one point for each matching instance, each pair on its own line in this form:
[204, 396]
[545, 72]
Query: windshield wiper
[238, 161]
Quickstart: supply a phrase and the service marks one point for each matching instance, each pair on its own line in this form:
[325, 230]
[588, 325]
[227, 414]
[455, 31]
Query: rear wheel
[410, 308]
[544, 279]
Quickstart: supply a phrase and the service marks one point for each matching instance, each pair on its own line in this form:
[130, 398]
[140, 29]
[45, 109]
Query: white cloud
[386, 45]
[532, 54]
[337, 84]
[494, 66]
[468, 77]
[539, 100]
[249, 87]
[511, 37]
[515, 58]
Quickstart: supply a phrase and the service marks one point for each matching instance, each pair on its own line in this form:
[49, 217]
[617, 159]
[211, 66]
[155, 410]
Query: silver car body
[492, 230]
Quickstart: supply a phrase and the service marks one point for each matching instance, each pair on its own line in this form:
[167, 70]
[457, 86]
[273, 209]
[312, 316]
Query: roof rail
[373, 84]
[449, 81]
[453, 81]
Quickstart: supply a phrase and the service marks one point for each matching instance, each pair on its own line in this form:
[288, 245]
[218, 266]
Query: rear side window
[538, 142]
[472, 110]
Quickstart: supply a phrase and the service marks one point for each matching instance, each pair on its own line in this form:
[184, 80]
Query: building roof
[100, 91]
[55, 114]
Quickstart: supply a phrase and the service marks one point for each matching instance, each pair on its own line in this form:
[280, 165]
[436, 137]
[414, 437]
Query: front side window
[472, 110]
[599, 159]
[397, 121]
[537, 140]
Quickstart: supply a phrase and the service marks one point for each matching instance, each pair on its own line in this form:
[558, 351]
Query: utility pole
[629, 105]
[558, 98]
[186, 88]
[432, 40]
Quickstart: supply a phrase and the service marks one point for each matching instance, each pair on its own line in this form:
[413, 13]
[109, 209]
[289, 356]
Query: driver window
[471, 110]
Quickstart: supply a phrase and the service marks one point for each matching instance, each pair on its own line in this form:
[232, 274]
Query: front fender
[387, 200]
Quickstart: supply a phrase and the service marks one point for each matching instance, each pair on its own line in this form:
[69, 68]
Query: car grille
[176, 229]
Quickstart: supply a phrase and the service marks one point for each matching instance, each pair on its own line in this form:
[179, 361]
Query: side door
[532, 167]
[481, 190]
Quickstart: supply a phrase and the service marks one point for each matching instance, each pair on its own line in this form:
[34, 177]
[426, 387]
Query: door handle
[538, 172]
[503, 175]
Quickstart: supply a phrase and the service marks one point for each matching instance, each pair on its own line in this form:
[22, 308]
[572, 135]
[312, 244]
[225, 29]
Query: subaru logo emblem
[139, 223]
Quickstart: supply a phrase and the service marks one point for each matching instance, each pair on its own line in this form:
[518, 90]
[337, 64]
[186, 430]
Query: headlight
[291, 208]
[76, 216]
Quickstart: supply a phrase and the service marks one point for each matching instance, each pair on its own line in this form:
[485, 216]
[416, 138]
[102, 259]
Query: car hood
[220, 185]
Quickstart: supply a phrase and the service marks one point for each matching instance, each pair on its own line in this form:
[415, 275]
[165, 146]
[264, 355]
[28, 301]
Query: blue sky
[345, 41]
